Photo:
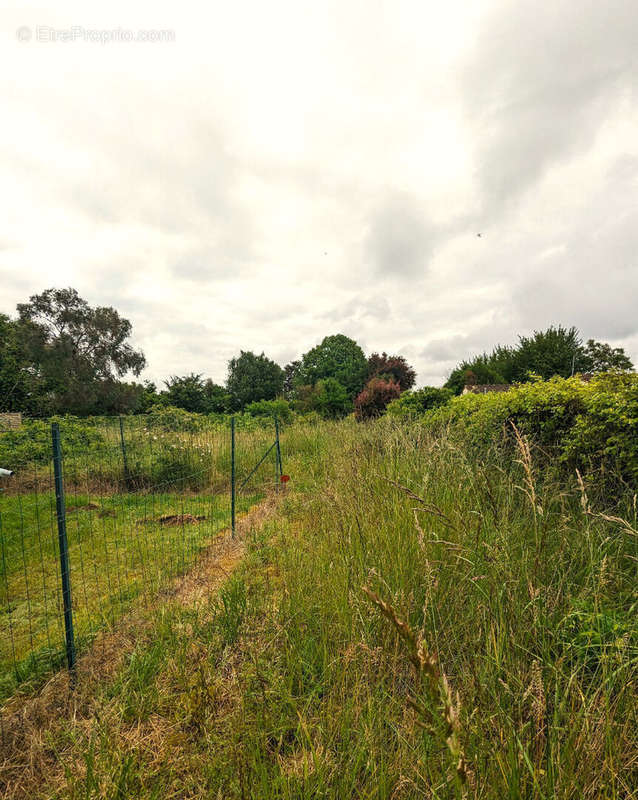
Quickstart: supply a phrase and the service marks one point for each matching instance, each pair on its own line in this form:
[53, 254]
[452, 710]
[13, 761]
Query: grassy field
[132, 527]
[411, 622]
[120, 547]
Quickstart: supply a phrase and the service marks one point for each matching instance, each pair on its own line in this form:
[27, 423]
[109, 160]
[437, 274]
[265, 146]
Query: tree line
[59, 355]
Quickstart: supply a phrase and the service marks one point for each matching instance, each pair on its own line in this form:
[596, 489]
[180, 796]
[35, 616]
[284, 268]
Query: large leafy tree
[375, 397]
[336, 357]
[332, 399]
[391, 368]
[21, 387]
[193, 393]
[602, 357]
[555, 351]
[252, 378]
[186, 392]
[76, 351]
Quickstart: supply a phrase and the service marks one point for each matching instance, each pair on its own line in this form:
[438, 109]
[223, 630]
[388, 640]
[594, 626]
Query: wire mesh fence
[140, 499]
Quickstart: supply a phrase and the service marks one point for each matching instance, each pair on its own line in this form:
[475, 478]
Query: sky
[258, 175]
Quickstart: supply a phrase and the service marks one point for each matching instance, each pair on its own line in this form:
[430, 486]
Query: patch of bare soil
[180, 519]
[28, 763]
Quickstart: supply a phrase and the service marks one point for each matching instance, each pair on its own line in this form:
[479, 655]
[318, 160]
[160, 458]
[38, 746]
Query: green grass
[516, 595]
[119, 549]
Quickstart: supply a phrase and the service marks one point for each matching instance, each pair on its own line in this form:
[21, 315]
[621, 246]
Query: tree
[556, 351]
[332, 399]
[187, 392]
[252, 378]
[76, 352]
[394, 368]
[327, 397]
[602, 357]
[375, 397]
[148, 398]
[291, 372]
[336, 357]
[116, 397]
[218, 401]
[21, 387]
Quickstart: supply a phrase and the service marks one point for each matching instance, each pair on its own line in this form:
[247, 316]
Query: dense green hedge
[590, 426]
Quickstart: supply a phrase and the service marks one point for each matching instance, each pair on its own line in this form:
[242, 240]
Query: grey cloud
[540, 85]
[591, 280]
[375, 306]
[445, 350]
[400, 237]
[208, 264]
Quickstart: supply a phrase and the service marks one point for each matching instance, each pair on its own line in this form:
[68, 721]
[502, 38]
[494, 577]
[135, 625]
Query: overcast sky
[281, 171]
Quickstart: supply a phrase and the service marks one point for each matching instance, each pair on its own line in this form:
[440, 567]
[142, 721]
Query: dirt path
[28, 726]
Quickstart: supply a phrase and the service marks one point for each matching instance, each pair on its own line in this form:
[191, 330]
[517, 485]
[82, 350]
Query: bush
[170, 418]
[589, 426]
[179, 466]
[374, 398]
[605, 435]
[279, 408]
[328, 398]
[411, 404]
[31, 443]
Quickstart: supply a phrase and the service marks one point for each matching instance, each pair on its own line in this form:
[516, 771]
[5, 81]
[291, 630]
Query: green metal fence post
[280, 470]
[124, 459]
[64, 547]
[232, 475]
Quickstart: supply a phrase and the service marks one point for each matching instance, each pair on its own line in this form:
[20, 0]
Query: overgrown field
[141, 504]
[417, 619]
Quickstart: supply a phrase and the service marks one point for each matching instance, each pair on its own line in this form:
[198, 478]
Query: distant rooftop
[484, 388]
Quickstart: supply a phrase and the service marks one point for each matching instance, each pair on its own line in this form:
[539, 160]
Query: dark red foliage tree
[394, 368]
[374, 398]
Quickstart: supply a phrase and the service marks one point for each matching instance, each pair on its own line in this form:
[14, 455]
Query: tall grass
[416, 622]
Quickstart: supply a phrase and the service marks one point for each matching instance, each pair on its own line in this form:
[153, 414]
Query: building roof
[484, 388]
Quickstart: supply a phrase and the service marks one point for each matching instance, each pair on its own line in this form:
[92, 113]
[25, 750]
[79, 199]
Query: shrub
[374, 398]
[179, 466]
[279, 408]
[327, 397]
[31, 443]
[589, 426]
[605, 434]
[169, 418]
[411, 404]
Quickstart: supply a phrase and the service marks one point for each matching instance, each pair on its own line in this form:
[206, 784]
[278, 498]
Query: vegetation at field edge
[417, 621]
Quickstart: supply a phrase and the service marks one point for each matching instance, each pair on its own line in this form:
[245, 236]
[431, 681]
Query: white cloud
[282, 171]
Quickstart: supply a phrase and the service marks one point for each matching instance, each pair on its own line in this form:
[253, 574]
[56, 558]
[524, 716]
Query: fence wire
[142, 501]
